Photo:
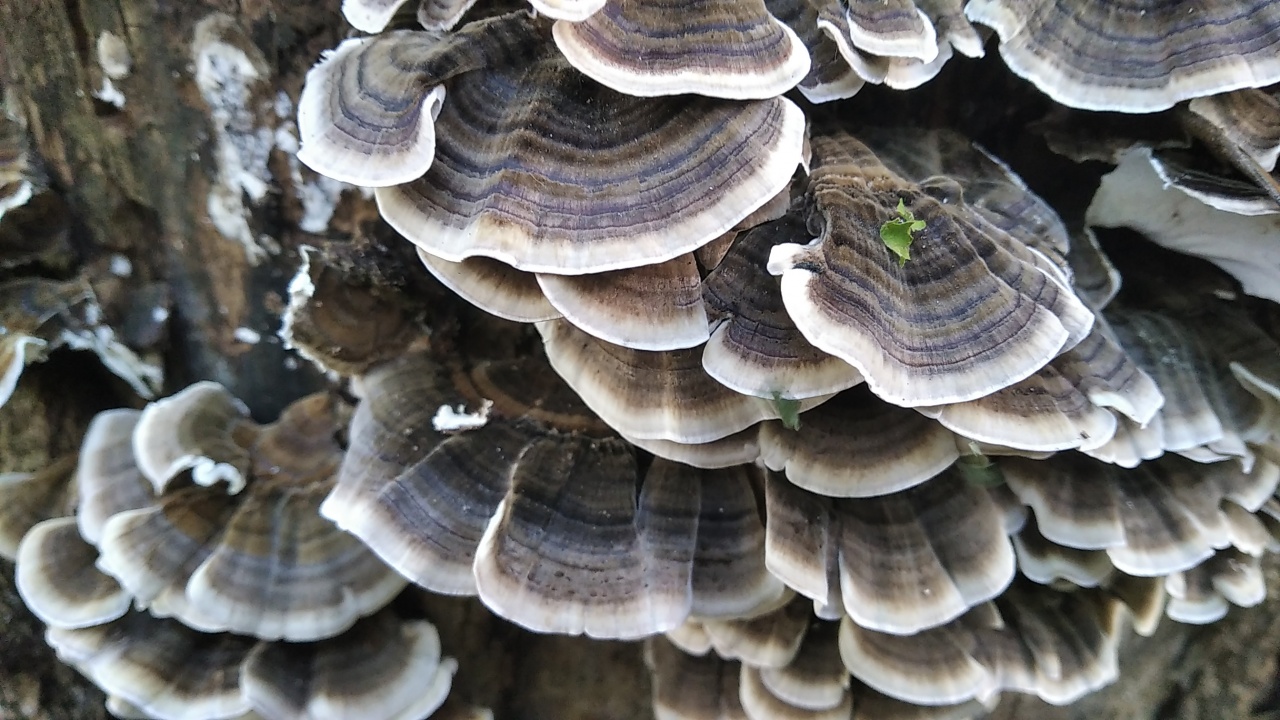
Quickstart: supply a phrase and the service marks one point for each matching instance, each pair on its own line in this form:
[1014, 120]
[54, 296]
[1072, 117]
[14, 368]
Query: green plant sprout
[788, 411]
[978, 468]
[896, 233]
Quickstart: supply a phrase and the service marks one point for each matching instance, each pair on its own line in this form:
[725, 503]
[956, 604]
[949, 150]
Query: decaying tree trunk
[183, 167]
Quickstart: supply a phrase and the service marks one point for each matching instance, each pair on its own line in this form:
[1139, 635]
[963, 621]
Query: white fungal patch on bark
[319, 197]
[227, 71]
[457, 419]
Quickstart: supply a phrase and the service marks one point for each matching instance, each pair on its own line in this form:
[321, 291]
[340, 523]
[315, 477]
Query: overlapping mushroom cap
[971, 311]
[496, 481]
[261, 562]
[1135, 55]
[383, 666]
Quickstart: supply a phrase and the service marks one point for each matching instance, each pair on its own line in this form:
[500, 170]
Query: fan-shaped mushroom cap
[686, 687]
[769, 639]
[830, 76]
[107, 476]
[903, 562]
[755, 348]
[340, 325]
[202, 429]
[1207, 414]
[367, 110]
[857, 445]
[652, 395]
[264, 562]
[850, 296]
[1047, 562]
[892, 28]
[26, 499]
[164, 668]
[815, 679]
[1241, 197]
[1205, 593]
[1143, 597]
[761, 704]
[1134, 196]
[28, 309]
[537, 510]
[740, 448]
[1093, 275]
[718, 48]
[58, 582]
[654, 307]
[952, 26]
[1062, 405]
[381, 667]
[1248, 118]
[493, 286]
[1057, 648]
[1142, 57]
[1158, 518]
[906, 73]
[651, 179]
[589, 565]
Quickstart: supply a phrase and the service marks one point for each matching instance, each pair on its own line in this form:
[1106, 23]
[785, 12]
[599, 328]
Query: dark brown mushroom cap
[991, 315]
[740, 448]
[717, 48]
[536, 510]
[830, 76]
[755, 347]
[493, 286]
[28, 498]
[57, 579]
[770, 639]
[1160, 517]
[1143, 599]
[686, 687]
[263, 562]
[761, 704]
[1056, 646]
[654, 307]
[203, 429]
[1141, 56]
[1205, 593]
[162, 667]
[1248, 118]
[381, 667]
[1093, 275]
[1047, 562]
[642, 171]
[902, 562]
[815, 679]
[891, 28]
[1207, 414]
[952, 26]
[652, 395]
[342, 325]
[1241, 197]
[1242, 245]
[107, 475]
[857, 445]
[833, 21]
[1063, 405]
[989, 186]
[366, 114]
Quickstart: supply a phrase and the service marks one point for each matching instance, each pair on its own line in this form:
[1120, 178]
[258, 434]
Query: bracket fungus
[260, 562]
[1137, 56]
[720, 48]
[969, 286]
[537, 511]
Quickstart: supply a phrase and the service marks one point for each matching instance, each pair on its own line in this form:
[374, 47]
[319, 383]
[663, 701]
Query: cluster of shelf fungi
[817, 479]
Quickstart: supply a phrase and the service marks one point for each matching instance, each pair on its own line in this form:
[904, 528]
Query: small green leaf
[896, 233]
[978, 469]
[788, 411]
